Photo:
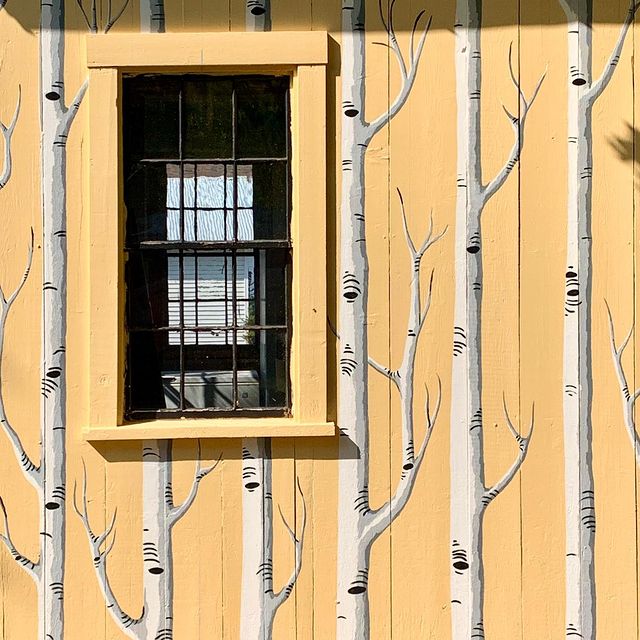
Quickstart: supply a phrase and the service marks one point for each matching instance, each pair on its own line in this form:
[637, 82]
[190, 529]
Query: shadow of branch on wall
[626, 148]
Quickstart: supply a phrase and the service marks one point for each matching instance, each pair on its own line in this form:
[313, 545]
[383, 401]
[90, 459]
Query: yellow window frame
[304, 57]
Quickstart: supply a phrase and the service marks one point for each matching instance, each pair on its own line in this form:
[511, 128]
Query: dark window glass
[208, 245]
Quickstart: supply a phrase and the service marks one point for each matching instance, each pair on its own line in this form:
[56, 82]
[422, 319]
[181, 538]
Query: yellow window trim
[304, 57]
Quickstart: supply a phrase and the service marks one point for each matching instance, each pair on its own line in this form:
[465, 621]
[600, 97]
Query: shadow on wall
[497, 13]
[626, 147]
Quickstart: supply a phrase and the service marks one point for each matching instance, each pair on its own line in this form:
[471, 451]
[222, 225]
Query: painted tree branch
[32, 568]
[408, 74]
[125, 622]
[601, 84]
[523, 448]
[298, 542]
[628, 399]
[92, 22]
[7, 135]
[518, 123]
[177, 512]
[31, 472]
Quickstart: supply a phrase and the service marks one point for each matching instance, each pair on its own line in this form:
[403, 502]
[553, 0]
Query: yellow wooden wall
[524, 228]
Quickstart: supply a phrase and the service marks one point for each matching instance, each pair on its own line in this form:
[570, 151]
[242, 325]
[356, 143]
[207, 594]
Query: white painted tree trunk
[579, 488]
[156, 539]
[470, 496]
[580, 528]
[152, 16]
[56, 124]
[259, 604]
[257, 540]
[358, 525]
[467, 460]
[353, 409]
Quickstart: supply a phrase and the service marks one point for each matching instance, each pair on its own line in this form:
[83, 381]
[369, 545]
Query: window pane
[152, 199]
[270, 201]
[214, 194]
[262, 118]
[208, 370]
[264, 355]
[147, 291]
[154, 371]
[271, 286]
[208, 118]
[151, 126]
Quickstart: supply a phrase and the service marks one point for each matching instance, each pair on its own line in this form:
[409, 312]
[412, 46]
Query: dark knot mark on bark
[474, 95]
[362, 501]
[150, 556]
[57, 588]
[350, 287]
[571, 390]
[49, 286]
[250, 477]
[489, 496]
[168, 493]
[577, 77]
[57, 498]
[459, 558]
[349, 109]
[50, 382]
[164, 634]
[476, 55]
[360, 584]
[572, 287]
[587, 173]
[347, 165]
[474, 243]
[572, 631]
[477, 631]
[55, 92]
[256, 8]
[476, 420]
[150, 452]
[347, 363]
[61, 140]
[462, 182]
[409, 456]
[459, 340]
[588, 510]
[266, 571]
[573, 140]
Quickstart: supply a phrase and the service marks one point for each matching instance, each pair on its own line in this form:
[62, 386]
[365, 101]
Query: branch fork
[32, 568]
[29, 469]
[7, 135]
[408, 72]
[523, 445]
[518, 124]
[627, 398]
[298, 543]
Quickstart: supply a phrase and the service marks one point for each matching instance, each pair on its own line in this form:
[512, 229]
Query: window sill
[193, 429]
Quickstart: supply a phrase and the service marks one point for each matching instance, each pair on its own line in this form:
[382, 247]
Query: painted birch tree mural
[470, 495]
[259, 601]
[49, 478]
[160, 514]
[360, 525]
[577, 378]
[627, 398]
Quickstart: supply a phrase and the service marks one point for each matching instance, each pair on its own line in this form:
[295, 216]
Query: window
[207, 192]
[206, 236]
